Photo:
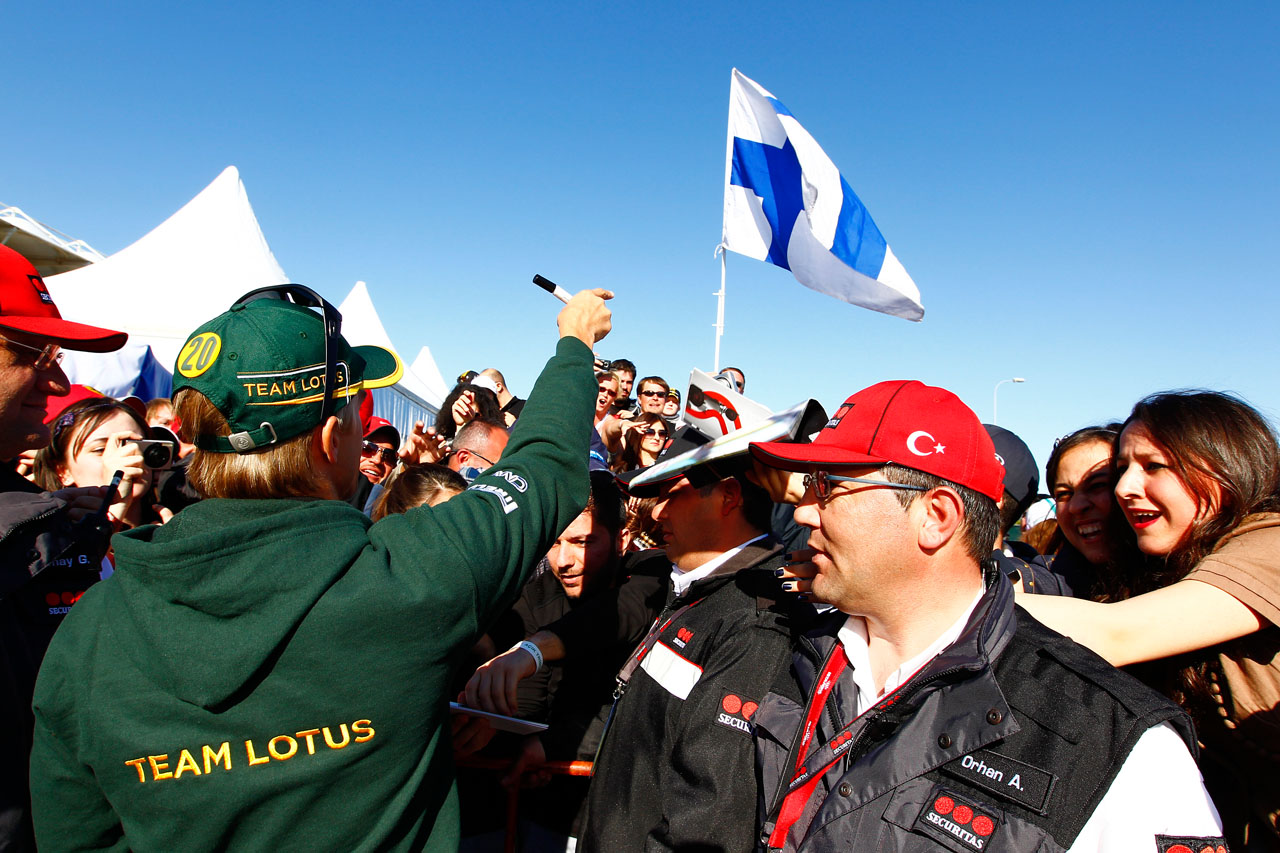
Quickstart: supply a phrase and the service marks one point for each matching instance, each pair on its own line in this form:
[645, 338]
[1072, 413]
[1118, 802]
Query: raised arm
[1183, 617]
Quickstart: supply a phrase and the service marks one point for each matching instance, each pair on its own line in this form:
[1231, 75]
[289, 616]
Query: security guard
[929, 713]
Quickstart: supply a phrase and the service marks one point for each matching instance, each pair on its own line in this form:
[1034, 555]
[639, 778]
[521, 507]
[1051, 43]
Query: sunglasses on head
[306, 297]
[368, 448]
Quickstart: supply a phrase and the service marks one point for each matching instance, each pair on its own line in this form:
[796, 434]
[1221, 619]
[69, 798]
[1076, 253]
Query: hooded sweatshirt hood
[207, 635]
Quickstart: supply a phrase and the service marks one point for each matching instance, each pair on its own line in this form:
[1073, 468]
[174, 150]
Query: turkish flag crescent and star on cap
[905, 422]
[26, 306]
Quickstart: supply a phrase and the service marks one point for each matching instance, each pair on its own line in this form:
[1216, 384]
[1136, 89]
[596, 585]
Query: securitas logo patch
[838, 416]
[736, 712]
[951, 817]
[60, 602]
[38, 283]
[683, 636]
[1190, 844]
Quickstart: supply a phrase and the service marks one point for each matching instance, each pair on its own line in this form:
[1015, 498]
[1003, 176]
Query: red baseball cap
[26, 306]
[377, 424]
[905, 422]
[57, 405]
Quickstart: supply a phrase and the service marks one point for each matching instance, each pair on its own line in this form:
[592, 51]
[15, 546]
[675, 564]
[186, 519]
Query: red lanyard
[793, 805]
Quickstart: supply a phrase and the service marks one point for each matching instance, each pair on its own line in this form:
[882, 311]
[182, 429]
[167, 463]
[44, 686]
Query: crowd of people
[236, 618]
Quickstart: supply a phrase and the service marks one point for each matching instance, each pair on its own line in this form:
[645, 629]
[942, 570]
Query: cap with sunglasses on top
[276, 368]
[904, 422]
[27, 308]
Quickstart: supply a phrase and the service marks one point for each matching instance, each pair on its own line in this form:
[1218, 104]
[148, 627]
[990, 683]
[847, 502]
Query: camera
[155, 454]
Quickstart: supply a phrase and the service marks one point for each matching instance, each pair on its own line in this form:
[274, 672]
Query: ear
[64, 476]
[941, 516]
[327, 439]
[731, 499]
[624, 540]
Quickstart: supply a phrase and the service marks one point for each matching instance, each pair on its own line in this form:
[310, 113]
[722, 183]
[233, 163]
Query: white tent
[424, 367]
[188, 269]
[411, 399]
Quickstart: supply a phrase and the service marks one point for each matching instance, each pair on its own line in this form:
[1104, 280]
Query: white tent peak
[425, 368]
[361, 326]
[186, 270]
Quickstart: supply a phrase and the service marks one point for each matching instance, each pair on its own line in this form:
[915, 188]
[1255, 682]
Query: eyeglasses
[820, 482]
[653, 393]
[648, 431]
[46, 356]
[472, 452]
[606, 390]
[388, 455]
[308, 298]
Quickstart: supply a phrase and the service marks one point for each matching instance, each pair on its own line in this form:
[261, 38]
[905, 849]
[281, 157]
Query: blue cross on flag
[785, 202]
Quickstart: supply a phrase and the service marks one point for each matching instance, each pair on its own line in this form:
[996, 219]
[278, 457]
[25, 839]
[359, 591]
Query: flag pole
[719, 309]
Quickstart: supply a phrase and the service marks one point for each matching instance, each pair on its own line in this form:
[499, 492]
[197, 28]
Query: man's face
[377, 457]
[687, 519]
[584, 556]
[626, 380]
[859, 534]
[24, 394]
[487, 453]
[607, 392]
[652, 397]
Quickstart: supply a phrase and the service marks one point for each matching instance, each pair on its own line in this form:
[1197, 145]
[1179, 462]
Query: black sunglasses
[368, 448]
[306, 297]
[648, 431]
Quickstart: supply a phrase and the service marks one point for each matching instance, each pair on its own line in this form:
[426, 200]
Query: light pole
[995, 397]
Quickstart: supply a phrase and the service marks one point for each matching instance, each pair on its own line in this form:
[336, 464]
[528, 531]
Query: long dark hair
[1216, 443]
[629, 457]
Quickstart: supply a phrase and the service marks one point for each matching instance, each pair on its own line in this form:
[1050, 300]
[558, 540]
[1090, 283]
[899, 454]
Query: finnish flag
[785, 202]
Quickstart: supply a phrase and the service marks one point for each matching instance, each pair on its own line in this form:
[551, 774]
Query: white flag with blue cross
[785, 202]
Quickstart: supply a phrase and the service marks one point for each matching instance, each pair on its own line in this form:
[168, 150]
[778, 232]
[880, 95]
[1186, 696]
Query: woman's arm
[1186, 616]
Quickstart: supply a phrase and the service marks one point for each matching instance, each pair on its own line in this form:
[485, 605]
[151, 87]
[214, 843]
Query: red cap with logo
[905, 422]
[26, 306]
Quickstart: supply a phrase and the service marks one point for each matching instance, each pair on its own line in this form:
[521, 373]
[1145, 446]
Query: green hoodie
[273, 675]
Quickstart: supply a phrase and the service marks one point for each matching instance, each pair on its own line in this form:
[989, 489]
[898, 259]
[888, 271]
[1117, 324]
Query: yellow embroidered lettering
[136, 764]
[186, 764]
[222, 756]
[310, 735]
[363, 730]
[262, 389]
[160, 766]
[275, 388]
[253, 758]
[279, 755]
[291, 386]
[248, 388]
[346, 737]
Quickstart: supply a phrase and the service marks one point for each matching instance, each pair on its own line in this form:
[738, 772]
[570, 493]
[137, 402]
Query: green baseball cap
[263, 365]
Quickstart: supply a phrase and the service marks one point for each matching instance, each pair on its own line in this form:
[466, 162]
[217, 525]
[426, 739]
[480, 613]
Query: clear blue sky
[1085, 194]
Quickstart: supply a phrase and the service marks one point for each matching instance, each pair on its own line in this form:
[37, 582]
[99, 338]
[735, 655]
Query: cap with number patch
[262, 364]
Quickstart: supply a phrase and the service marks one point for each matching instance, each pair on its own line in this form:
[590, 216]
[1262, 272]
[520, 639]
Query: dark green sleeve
[471, 555]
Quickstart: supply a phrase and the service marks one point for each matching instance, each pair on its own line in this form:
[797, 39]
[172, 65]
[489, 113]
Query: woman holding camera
[92, 439]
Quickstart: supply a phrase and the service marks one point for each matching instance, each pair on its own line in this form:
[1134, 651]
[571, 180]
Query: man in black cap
[1022, 563]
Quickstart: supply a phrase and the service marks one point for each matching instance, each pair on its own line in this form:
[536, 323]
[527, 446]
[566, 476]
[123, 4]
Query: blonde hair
[277, 471]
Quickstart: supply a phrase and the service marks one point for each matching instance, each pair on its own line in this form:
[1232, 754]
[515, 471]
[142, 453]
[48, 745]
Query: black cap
[1021, 474]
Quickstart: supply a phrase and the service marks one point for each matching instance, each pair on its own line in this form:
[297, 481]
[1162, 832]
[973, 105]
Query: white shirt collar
[683, 580]
[853, 636]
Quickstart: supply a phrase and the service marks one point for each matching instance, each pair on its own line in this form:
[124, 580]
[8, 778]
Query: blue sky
[1085, 194]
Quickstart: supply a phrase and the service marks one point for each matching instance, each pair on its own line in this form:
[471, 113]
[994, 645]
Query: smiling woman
[1198, 480]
